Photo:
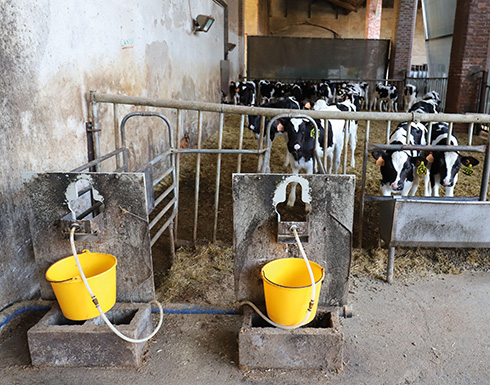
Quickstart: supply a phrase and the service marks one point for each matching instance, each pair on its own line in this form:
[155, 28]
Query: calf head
[447, 165]
[397, 168]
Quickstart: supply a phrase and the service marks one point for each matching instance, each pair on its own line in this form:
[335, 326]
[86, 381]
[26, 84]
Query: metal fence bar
[198, 172]
[363, 178]
[240, 144]
[218, 178]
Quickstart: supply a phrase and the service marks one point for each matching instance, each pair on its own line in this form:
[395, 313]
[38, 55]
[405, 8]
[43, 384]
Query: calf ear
[378, 155]
[430, 158]
[280, 127]
[467, 160]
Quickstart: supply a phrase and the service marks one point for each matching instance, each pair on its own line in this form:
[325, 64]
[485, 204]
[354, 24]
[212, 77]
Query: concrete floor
[430, 331]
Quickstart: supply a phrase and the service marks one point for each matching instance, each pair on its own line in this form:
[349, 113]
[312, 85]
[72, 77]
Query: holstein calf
[399, 168]
[445, 165]
[409, 96]
[428, 106]
[247, 93]
[334, 151]
[385, 95]
[302, 147]
[254, 120]
[351, 103]
[266, 91]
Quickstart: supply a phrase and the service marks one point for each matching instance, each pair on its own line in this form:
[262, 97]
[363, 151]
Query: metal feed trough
[432, 222]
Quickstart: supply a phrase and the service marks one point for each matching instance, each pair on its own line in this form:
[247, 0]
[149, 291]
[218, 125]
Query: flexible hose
[313, 291]
[96, 302]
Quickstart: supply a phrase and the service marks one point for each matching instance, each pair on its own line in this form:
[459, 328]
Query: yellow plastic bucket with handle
[72, 295]
[288, 289]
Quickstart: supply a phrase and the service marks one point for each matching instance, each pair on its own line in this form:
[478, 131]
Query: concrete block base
[318, 345]
[58, 341]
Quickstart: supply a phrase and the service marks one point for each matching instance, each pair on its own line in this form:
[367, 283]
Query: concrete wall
[290, 19]
[53, 53]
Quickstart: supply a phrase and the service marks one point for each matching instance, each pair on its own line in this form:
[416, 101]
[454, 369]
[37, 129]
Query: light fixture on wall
[202, 23]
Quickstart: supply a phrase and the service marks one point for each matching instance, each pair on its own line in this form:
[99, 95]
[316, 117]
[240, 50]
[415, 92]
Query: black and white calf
[409, 96]
[334, 151]
[247, 93]
[266, 91]
[277, 128]
[351, 103]
[385, 95]
[445, 165]
[302, 147]
[428, 106]
[399, 168]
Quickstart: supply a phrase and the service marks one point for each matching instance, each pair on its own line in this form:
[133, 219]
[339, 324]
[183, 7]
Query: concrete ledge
[57, 341]
[318, 345]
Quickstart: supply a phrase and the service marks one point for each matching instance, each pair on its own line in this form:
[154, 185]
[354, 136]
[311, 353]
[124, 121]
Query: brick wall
[402, 41]
[469, 55]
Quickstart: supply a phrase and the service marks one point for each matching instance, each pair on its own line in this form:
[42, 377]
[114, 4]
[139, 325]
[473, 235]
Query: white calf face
[401, 166]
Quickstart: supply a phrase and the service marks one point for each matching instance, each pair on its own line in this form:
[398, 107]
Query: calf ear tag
[312, 133]
[421, 169]
[468, 170]
[380, 161]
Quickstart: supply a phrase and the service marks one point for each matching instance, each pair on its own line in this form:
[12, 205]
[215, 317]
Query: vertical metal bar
[95, 115]
[409, 131]
[260, 144]
[240, 144]
[363, 185]
[198, 172]
[470, 133]
[177, 169]
[429, 134]
[391, 264]
[486, 172]
[346, 145]
[218, 176]
[325, 144]
[388, 129]
[450, 133]
[117, 139]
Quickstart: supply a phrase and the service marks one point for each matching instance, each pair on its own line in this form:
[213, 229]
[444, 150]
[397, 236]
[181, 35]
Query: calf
[254, 120]
[385, 95]
[334, 151]
[247, 93]
[428, 106]
[351, 103]
[302, 147]
[409, 96]
[399, 168]
[445, 165]
[266, 91]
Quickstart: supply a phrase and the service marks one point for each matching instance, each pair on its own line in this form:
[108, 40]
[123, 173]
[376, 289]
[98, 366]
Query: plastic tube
[96, 302]
[313, 291]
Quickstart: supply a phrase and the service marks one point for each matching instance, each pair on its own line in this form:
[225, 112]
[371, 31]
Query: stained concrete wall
[52, 54]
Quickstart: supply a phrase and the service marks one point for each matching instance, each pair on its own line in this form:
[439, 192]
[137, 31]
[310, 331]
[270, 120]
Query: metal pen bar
[162, 213]
[240, 144]
[419, 147]
[162, 196]
[198, 172]
[98, 160]
[363, 185]
[218, 178]
[177, 172]
[161, 230]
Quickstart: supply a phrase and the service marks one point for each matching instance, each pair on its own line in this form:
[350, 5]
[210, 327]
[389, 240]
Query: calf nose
[297, 146]
[396, 186]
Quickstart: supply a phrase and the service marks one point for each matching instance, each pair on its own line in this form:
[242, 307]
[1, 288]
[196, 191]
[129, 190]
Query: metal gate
[215, 153]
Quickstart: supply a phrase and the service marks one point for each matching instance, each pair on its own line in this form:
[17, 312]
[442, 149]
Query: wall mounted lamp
[202, 23]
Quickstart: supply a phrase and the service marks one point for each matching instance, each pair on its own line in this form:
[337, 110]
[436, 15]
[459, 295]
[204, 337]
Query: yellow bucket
[287, 290]
[72, 295]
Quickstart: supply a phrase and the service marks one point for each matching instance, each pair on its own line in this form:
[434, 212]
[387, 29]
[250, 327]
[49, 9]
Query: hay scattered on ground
[203, 274]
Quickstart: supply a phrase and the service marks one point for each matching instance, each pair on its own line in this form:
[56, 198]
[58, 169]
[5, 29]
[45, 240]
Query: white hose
[96, 302]
[313, 291]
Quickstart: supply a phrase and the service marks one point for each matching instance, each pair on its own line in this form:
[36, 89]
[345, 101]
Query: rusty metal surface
[329, 236]
[125, 228]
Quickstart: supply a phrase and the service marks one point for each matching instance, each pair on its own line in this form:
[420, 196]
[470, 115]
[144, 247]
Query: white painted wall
[53, 53]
